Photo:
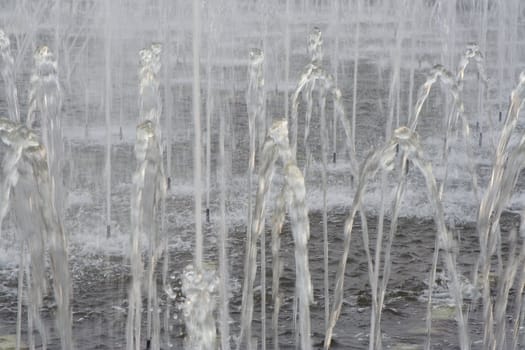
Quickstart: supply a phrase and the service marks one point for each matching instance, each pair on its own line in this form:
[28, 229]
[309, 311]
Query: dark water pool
[101, 282]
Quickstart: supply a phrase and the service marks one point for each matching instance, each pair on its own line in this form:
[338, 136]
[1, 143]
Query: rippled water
[101, 282]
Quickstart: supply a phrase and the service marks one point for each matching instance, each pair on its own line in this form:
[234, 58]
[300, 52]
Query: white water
[460, 181]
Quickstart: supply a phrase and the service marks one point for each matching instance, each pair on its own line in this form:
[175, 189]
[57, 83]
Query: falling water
[108, 89]
[454, 86]
[383, 159]
[255, 105]
[199, 283]
[286, 61]
[8, 74]
[222, 244]
[168, 92]
[200, 289]
[209, 109]
[9, 166]
[148, 195]
[26, 173]
[269, 156]
[296, 193]
[437, 72]
[472, 53]
[357, 35]
[277, 264]
[378, 296]
[307, 82]
[293, 197]
[197, 173]
[379, 37]
[150, 105]
[45, 99]
[507, 165]
[314, 74]
[168, 140]
[337, 9]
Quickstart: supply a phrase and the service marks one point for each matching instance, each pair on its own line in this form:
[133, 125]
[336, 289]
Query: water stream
[396, 225]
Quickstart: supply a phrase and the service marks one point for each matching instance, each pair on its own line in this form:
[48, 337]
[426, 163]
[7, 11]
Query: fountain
[359, 150]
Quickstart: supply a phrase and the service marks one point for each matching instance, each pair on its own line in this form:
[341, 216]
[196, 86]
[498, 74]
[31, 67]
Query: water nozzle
[480, 139]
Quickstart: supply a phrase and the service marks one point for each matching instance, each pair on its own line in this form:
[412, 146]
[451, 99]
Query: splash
[454, 85]
[45, 106]
[255, 101]
[311, 75]
[27, 186]
[384, 159]
[150, 103]
[147, 201]
[507, 166]
[314, 76]
[8, 74]
[276, 148]
[200, 289]
[147, 195]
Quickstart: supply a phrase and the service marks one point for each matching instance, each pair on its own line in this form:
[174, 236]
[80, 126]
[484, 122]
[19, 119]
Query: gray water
[100, 265]
[102, 276]
[101, 282]
[101, 268]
